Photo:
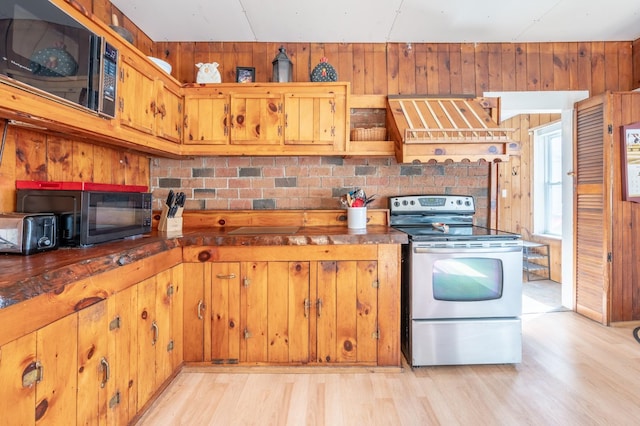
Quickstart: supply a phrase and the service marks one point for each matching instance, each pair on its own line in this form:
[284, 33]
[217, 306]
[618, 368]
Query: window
[547, 178]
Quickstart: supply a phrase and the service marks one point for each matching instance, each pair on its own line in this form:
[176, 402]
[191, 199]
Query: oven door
[466, 280]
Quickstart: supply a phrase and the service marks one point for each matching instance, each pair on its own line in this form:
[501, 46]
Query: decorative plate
[53, 62]
[324, 72]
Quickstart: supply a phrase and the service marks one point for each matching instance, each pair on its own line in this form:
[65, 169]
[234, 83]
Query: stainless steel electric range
[461, 284]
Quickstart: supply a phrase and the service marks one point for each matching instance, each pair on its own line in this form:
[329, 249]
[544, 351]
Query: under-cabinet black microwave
[88, 217]
[46, 51]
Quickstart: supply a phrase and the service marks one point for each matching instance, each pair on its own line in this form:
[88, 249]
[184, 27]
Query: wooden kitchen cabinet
[225, 312]
[288, 311]
[137, 96]
[169, 113]
[107, 366]
[146, 102]
[274, 321]
[266, 119]
[256, 118]
[311, 119]
[159, 331]
[38, 375]
[206, 118]
[346, 312]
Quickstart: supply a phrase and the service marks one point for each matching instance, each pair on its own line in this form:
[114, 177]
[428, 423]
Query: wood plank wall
[425, 68]
[33, 155]
[625, 265]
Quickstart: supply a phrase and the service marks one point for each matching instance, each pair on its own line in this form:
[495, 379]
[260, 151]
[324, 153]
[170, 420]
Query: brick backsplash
[220, 183]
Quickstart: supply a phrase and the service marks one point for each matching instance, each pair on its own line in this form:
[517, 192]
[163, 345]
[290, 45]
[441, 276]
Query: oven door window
[467, 279]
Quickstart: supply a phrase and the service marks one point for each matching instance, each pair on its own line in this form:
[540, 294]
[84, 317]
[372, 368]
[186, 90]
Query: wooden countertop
[25, 277]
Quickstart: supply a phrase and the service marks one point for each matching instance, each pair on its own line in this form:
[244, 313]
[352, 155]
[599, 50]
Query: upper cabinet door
[169, 112]
[256, 118]
[137, 97]
[310, 118]
[206, 119]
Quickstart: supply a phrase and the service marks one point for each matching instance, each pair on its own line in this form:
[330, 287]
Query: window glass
[467, 279]
[547, 194]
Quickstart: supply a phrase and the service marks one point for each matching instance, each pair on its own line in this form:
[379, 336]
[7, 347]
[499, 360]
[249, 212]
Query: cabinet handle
[307, 306]
[106, 372]
[156, 332]
[34, 373]
[225, 277]
[319, 306]
[200, 309]
[114, 324]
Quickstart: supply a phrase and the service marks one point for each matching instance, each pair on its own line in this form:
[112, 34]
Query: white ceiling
[380, 21]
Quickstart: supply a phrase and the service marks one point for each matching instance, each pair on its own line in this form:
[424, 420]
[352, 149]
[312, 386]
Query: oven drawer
[461, 342]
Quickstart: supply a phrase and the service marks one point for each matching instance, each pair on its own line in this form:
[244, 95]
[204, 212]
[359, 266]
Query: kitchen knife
[180, 200]
[170, 198]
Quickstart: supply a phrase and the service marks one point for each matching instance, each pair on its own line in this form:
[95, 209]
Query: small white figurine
[208, 73]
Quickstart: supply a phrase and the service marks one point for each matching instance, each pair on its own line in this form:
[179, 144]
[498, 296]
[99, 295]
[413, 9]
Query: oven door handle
[465, 250]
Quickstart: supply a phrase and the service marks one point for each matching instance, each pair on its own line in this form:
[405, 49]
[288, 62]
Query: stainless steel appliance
[461, 284]
[46, 51]
[27, 233]
[87, 217]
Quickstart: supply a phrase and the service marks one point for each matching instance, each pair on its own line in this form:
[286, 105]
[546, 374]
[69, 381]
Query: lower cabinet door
[148, 336]
[197, 310]
[94, 371]
[38, 376]
[57, 353]
[274, 312]
[225, 312]
[346, 312]
[19, 371]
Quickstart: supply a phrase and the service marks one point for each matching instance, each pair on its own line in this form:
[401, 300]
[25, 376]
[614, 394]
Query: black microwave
[46, 51]
[90, 217]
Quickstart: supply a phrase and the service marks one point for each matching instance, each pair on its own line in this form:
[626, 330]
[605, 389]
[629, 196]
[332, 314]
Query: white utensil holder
[356, 217]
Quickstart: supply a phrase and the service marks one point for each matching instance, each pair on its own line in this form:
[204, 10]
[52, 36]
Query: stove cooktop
[440, 218]
[455, 233]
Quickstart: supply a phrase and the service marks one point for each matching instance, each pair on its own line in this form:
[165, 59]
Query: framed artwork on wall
[630, 162]
[245, 74]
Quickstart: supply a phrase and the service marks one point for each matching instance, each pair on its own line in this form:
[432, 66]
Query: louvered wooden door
[592, 166]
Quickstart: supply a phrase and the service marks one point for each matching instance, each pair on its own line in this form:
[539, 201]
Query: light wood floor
[574, 372]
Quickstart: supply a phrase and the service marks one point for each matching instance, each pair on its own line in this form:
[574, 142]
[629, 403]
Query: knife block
[170, 224]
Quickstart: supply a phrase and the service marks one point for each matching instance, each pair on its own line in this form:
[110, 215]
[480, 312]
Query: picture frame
[630, 162]
[245, 75]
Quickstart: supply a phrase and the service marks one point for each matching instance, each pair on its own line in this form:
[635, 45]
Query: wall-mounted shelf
[535, 261]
